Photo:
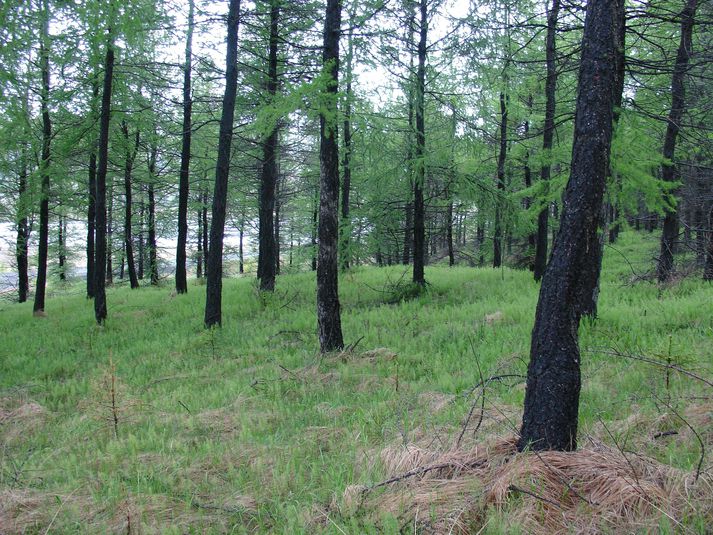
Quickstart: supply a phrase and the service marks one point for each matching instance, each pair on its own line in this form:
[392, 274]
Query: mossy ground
[248, 429]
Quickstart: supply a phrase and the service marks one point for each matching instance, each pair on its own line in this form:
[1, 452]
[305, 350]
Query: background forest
[414, 163]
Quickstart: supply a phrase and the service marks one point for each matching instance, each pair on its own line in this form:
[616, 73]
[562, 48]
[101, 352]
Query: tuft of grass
[247, 429]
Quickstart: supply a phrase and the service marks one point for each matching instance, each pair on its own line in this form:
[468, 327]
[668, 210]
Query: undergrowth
[247, 429]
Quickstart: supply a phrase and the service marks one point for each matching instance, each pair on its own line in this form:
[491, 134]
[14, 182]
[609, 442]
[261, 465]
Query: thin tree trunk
[419, 211]
[502, 154]
[61, 249]
[241, 258]
[23, 230]
[553, 377]
[183, 185]
[214, 284]
[153, 259]
[41, 281]
[346, 226]
[100, 265]
[110, 236]
[199, 240]
[92, 194]
[527, 201]
[668, 168]
[548, 136]
[315, 219]
[328, 309]
[204, 216]
[278, 206]
[128, 206]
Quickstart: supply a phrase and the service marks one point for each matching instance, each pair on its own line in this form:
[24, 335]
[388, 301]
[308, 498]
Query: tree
[553, 377]
[132, 150]
[669, 234]
[41, 281]
[419, 225]
[181, 283]
[328, 311]
[214, 270]
[268, 257]
[548, 135]
[100, 262]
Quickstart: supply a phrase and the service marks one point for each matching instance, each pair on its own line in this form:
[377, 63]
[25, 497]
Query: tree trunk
[100, 265]
[183, 185]
[553, 377]
[328, 312]
[548, 136]
[61, 247]
[498, 234]
[241, 258]
[214, 284]
[142, 252]
[266, 233]
[669, 236]
[199, 240]
[346, 225]
[419, 210]
[278, 205]
[41, 281]
[110, 236]
[92, 195]
[153, 260]
[315, 219]
[23, 229]
[128, 206]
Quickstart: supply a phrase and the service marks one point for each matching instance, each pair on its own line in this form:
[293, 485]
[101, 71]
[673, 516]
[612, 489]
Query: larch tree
[328, 308]
[553, 377]
[41, 280]
[419, 209]
[214, 269]
[183, 185]
[669, 235]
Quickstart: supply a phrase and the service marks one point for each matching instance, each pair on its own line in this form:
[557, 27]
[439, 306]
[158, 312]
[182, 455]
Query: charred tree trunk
[23, 228]
[346, 226]
[313, 239]
[328, 309]
[278, 206]
[61, 248]
[110, 236]
[267, 257]
[128, 203]
[419, 209]
[449, 235]
[142, 253]
[548, 136]
[669, 236]
[214, 284]
[498, 233]
[41, 281]
[553, 377]
[199, 241]
[527, 201]
[100, 265]
[91, 197]
[183, 184]
[204, 216]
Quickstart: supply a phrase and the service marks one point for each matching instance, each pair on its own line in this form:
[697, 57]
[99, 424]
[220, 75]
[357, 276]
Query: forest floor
[152, 424]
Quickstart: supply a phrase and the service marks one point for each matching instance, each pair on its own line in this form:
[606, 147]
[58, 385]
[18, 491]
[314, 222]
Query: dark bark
[61, 247]
[708, 265]
[92, 194]
[548, 136]
[199, 241]
[130, 156]
[153, 260]
[278, 206]
[328, 308]
[140, 239]
[100, 265]
[313, 238]
[553, 379]
[41, 281]
[590, 276]
[183, 184]
[669, 236]
[527, 201]
[408, 233]
[214, 272]
[346, 225]
[267, 253]
[204, 216]
[449, 235]
[110, 235]
[419, 210]
[502, 154]
[23, 228]
[241, 259]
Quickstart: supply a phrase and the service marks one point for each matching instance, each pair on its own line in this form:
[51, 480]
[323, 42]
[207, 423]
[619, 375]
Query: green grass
[248, 429]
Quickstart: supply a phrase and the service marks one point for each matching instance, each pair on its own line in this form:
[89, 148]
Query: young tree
[419, 210]
[214, 270]
[132, 150]
[553, 377]
[328, 312]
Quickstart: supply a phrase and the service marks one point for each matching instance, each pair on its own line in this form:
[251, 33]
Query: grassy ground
[152, 424]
